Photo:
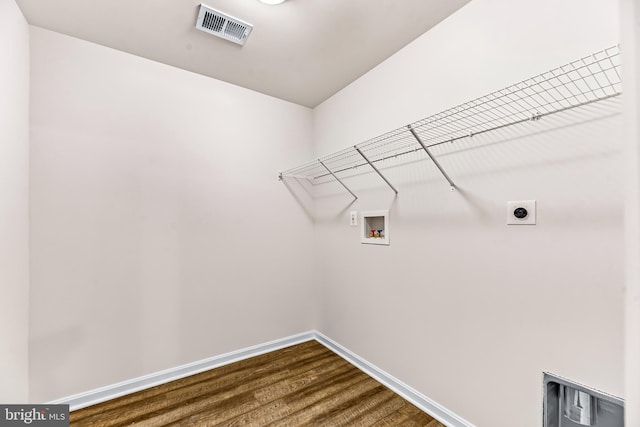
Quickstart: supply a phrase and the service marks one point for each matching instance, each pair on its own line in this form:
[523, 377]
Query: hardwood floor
[302, 385]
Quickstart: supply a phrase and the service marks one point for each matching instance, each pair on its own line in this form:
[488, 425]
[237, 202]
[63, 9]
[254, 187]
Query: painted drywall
[160, 234]
[464, 308]
[630, 26]
[14, 203]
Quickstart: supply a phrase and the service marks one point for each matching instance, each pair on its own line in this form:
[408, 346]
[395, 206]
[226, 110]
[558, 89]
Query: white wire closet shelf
[590, 79]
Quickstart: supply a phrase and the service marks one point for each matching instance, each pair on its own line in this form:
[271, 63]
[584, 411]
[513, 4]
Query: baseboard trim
[431, 407]
[92, 397]
[102, 394]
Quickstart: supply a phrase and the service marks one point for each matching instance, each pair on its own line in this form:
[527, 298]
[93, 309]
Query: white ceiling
[303, 51]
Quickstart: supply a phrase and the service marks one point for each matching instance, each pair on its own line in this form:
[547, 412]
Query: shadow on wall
[302, 191]
[539, 147]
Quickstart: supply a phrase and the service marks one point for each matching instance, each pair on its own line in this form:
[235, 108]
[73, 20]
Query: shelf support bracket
[337, 179]
[375, 169]
[435, 162]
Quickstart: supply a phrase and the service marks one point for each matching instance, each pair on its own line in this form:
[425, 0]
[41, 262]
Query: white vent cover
[222, 25]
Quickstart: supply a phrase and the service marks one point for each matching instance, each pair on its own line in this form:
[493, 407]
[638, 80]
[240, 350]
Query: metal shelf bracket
[435, 162]
[338, 179]
[375, 169]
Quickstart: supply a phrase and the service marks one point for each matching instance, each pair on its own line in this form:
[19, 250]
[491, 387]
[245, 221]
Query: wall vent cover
[222, 25]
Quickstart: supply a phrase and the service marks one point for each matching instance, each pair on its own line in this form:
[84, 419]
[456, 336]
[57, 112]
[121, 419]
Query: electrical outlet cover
[353, 218]
[521, 213]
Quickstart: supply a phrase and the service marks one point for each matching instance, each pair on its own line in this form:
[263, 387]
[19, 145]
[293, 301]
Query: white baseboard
[434, 409]
[102, 394]
[92, 397]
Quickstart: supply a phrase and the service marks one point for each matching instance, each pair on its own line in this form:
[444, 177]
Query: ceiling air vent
[222, 25]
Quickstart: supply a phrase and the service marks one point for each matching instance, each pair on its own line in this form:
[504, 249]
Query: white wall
[160, 232]
[14, 203]
[630, 25]
[460, 306]
[154, 198]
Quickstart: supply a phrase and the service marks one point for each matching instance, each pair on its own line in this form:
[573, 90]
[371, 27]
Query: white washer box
[374, 227]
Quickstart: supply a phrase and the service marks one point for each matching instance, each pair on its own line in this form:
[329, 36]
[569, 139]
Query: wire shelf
[590, 79]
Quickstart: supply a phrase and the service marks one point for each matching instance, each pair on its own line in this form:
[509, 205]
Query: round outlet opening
[520, 213]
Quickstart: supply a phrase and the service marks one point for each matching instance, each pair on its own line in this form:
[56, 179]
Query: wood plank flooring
[302, 385]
